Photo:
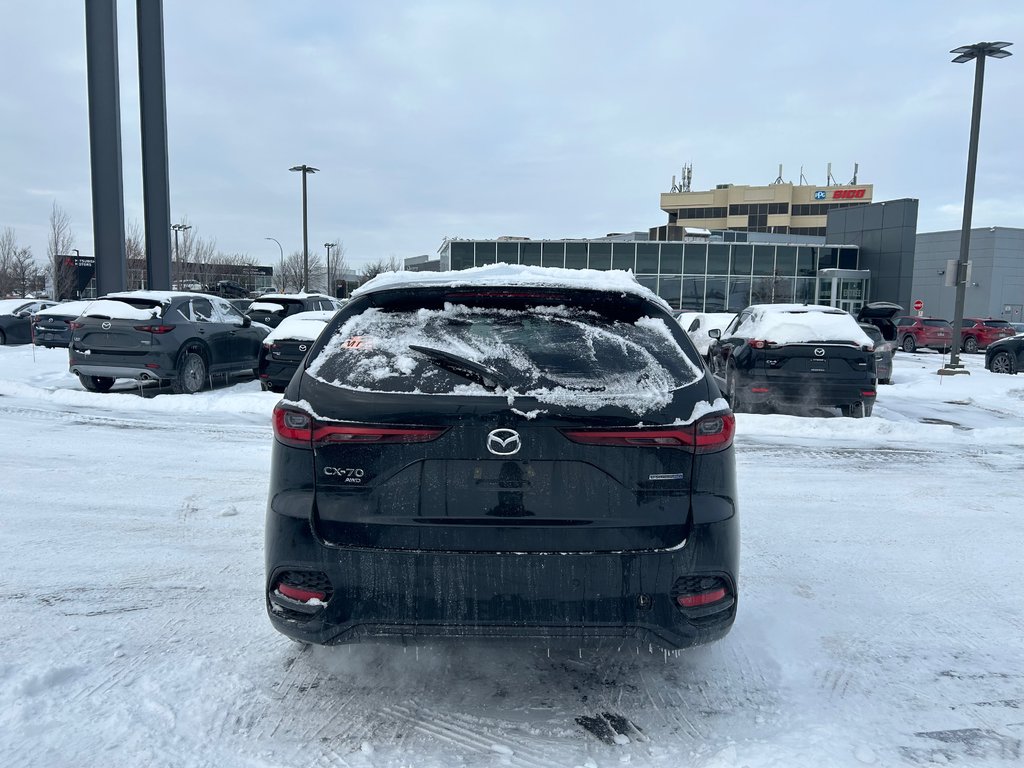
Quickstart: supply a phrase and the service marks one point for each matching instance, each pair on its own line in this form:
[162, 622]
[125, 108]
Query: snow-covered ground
[881, 616]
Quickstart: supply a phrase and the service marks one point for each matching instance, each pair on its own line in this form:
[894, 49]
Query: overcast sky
[534, 118]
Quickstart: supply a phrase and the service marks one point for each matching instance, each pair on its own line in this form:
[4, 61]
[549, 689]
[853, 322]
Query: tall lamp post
[177, 255]
[281, 286]
[978, 52]
[304, 170]
[328, 246]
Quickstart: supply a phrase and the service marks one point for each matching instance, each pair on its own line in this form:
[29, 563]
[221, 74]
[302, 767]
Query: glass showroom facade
[695, 276]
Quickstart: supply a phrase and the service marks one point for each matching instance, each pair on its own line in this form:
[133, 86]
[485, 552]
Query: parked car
[180, 338]
[1017, 327]
[16, 319]
[51, 327]
[242, 305]
[507, 452]
[774, 355]
[284, 347]
[1005, 355]
[977, 333]
[913, 333]
[271, 308]
[697, 325]
[882, 315]
[230, 289]
[883, 352]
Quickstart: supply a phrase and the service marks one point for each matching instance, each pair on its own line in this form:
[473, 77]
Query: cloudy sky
[534, 118]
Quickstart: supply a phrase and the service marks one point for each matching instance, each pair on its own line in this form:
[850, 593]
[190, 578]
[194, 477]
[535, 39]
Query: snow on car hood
[799, 323]
[517, 275]
[304, 326]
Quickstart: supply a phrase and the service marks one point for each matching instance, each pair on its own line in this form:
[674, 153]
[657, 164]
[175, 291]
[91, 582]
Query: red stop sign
[918, 305]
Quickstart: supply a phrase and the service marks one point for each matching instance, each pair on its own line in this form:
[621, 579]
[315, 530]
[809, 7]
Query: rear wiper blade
[468, 369]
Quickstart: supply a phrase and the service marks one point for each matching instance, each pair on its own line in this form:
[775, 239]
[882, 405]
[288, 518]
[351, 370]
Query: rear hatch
[272, 310]
[824, 359]
[115, 326]
[499, 429]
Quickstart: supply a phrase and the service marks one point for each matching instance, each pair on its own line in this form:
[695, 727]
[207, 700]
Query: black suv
[795, 355]
[271, 308]
[509, 453]
[181, 338]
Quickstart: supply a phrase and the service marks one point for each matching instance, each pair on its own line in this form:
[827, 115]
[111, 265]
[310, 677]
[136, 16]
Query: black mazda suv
[503, 452]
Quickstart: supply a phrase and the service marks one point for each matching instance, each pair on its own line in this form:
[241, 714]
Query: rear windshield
[937, 323]
[283, 307]
[997, 323]
[556, 354]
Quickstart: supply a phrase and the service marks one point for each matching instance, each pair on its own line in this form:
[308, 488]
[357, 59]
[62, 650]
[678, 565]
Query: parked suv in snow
[795, 355]
[16, 319]
[271, 308]
[181, 338]
[505, 452]
[913, 333]
[284, 347]
[977, 333]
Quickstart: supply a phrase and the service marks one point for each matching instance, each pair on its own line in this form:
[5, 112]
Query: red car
[977, 333]
[913, 333]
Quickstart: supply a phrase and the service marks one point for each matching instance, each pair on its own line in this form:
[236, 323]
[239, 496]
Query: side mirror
[246, 321]
[715, 333]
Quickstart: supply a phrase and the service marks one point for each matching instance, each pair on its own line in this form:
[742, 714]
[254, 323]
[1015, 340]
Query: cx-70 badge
[503, 442]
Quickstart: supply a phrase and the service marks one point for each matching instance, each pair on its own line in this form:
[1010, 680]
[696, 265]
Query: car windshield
[553, 353]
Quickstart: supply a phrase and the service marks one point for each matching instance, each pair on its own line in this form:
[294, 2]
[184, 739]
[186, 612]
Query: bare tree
[8, 252]
[135, 251]
[374, 268]
[59, 244]
[25, 271]
[291, 274]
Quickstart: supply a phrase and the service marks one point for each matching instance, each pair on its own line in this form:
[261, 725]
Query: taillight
[293, 427]
[761, 344]
[74, 326]
[155, 328]
[711, 433]
[867, 393]
[298, 429]
[339, 434]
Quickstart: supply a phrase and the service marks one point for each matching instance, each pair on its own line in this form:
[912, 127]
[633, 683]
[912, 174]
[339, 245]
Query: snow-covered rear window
[266, 306]
[800, 325]
[124, 309]
[556, 354]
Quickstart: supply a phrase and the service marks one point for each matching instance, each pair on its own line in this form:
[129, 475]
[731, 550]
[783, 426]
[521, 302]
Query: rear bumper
[807, 391]
[590, 599]
[151, 367]
[116, 372]
[277, 373]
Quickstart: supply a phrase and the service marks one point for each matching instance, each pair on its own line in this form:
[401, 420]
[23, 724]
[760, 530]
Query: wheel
[970, 345]
[857, 410]
[268, 387]
[191, 373]
[885, 381]
[909, 344]
[732, 392]
[1002, 362]
[96, 383]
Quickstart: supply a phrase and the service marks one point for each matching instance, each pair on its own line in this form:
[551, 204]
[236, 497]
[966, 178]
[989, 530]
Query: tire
[96, 383]
[733, 392]
[1002, 362]
[857, 410]
[909, 344]
[885, 381]
[970, 345]
[191, 375]
[268, 387]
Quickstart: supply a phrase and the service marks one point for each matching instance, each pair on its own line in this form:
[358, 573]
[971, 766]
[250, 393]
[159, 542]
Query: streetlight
[304, 169]
[979, 52]
[328, 246]
[281, 286]
[177, 256]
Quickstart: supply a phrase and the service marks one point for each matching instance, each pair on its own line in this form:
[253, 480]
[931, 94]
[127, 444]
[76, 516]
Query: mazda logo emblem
[819, 351]
[106, 326]
[302, 347]
[504, 442]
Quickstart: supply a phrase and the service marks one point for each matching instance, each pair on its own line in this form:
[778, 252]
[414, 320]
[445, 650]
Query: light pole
[177, 255]
[281, 286]
[979, 52]
[304, 170]
[328, 246]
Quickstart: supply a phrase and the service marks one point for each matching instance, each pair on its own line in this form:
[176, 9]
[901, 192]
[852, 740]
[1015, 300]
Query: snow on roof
[303, 325]
[518, 275]
[291, 296]
[800, 323]
[266, 306]
[119, 310]
[66, 309]
[163, 297]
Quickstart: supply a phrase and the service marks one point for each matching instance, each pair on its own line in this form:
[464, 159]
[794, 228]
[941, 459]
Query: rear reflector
[759, 390]
[302, 595]
[867, 393]
[298, 429]
[711, 433]
[701, 598]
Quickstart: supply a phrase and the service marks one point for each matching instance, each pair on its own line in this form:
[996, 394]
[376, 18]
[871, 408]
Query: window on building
[785, 260]
[718, 259]
[672, 258]
[764, 259]
[647, 258]
[486, 253]
[600, 255]
[693, 293]
[461, 255]
[695, 259]
[742, 256]
[529, 253]
[714, 294]
[624, 256]
[553, 255]
[668, 289]
[508, 253]
[576, 255]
